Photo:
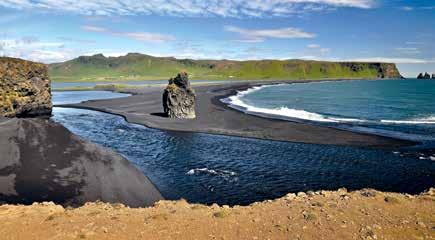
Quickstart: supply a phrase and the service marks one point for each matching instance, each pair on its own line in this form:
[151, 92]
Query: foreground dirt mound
[365, 214]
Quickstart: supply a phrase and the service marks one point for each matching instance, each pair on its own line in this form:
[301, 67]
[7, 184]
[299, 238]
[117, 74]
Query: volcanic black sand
[145, 107]
[42, 161]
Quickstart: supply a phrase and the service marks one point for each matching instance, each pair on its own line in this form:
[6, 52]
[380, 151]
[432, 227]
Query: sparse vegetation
[221, 214]
[389, 199]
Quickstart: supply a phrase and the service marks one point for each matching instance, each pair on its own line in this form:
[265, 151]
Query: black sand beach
[42, 161]
[213, 116]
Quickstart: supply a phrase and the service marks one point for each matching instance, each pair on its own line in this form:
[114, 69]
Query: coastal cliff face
[387, 70]
[141, 66]
[24, 88]
[179, 98]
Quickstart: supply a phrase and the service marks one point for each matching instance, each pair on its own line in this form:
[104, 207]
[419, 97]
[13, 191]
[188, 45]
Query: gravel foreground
[364, 214]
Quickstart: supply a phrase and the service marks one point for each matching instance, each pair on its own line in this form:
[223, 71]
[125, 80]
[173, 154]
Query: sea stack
[425, 76]
[179, 98]
[24, 89]
[433, 75]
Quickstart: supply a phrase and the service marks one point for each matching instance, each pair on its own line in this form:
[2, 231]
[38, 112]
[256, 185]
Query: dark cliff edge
[24, 88]
[136, 66]
[41, 160]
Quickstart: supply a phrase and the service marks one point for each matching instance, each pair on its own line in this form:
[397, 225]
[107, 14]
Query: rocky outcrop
[24, 89]
[179, 98]
[424, 76]
[387, 70]
[433, 76]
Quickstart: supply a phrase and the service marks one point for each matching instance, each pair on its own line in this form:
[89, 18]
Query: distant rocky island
[136, 66]
[425, 76]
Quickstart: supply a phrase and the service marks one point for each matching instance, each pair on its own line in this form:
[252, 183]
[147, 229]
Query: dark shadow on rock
[160, 114]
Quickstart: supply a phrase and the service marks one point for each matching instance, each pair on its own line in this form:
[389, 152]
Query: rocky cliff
[179, 98]
[24, 89]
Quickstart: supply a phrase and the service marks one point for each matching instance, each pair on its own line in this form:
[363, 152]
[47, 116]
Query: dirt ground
[364, 214]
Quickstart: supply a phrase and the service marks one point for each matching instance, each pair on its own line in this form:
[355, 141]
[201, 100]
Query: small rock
[302, 194]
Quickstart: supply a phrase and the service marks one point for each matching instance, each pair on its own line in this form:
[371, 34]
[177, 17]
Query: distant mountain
[134, 66]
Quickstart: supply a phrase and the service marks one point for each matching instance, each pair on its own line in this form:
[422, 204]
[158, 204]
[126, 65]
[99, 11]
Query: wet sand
[145, 107]
[42, 161]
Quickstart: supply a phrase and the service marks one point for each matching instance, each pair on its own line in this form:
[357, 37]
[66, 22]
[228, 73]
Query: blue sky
[338, 30]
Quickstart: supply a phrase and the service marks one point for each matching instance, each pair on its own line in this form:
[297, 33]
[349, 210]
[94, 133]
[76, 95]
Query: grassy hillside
[135, 66]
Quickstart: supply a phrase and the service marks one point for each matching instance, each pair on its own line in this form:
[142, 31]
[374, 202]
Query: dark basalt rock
[433, 76]
[179, 98]
[24, 88]
[425, 76]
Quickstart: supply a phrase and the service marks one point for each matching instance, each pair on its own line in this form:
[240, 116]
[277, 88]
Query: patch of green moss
[221, 214]
[172, 87]
[393, 200]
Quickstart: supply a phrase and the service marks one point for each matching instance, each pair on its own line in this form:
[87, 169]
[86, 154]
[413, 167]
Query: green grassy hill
[135, 66]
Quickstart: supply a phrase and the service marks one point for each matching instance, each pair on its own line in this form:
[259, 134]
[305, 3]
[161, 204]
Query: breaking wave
[283, 112]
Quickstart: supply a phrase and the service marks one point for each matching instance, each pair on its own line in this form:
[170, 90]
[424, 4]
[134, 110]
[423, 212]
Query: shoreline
[216, 117]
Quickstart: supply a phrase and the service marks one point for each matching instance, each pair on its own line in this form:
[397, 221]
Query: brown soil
[365, 214]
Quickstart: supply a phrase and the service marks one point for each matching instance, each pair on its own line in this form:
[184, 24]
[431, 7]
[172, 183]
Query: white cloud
[407, 50]
[407, 8]
[413, 43]
[94, 28]
[373, 59]
[325, 50]
[259, 35]
[313, 46]
[393, 60]
[223, 8]
[139, 36]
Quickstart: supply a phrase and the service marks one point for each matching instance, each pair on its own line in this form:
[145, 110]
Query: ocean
[397, 108]
[206, 168]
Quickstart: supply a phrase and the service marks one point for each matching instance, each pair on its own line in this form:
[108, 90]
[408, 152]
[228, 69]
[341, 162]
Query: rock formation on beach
[179, 98]
[424, 76]
[24, 88]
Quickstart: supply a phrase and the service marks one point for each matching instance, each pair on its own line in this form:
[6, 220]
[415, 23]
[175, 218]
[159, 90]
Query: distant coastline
[136, 66]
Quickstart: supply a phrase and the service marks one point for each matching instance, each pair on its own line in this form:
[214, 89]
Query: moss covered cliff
[24, 88]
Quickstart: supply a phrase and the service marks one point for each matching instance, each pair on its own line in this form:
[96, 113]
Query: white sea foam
[428, 120]
[285, 112]
[211, 171]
